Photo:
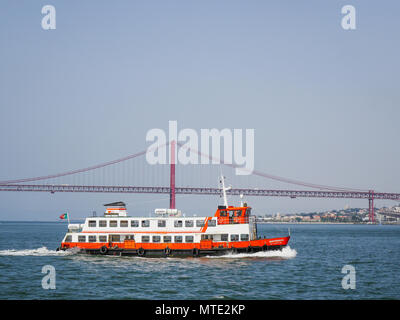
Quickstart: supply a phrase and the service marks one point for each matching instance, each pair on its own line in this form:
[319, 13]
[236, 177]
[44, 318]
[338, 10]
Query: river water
[310, 268]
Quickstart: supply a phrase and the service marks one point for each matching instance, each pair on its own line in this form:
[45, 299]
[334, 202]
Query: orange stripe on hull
[208, 244]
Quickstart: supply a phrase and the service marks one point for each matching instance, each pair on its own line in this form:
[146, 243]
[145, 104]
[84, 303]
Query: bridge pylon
[371, 213]
[172, 176]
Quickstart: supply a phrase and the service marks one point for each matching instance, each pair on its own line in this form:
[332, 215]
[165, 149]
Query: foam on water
[43, 251]
[285, 253]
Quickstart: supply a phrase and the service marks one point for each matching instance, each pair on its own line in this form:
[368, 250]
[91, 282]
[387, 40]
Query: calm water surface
[309, 269]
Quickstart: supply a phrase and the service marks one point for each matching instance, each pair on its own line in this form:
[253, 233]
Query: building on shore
[348, 215]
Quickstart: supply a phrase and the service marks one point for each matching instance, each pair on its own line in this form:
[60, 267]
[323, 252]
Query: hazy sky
[324, 101]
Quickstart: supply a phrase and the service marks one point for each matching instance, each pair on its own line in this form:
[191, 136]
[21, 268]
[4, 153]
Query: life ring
[103, 250]
[167, 251]
[195, 252]
[141, 252]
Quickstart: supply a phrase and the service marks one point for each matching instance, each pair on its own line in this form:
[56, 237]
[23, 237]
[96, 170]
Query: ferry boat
[232, 229]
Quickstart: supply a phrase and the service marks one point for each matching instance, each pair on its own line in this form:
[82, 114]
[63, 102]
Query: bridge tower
[172, 176]
[371, 213]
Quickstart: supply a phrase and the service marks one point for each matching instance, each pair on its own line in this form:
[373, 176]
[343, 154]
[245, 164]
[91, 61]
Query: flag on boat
[64, 216]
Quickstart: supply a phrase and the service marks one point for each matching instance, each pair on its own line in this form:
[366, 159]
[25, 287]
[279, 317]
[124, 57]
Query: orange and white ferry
[169, 234]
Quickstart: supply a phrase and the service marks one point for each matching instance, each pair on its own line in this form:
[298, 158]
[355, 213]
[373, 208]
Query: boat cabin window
[156, 238]
[212, 223]
[115, 238]
[92, 239]
[74, 228]
[234, 237]
[224, 237]
[145, 223]
[145, 238]
[123, 224]
[199, 223]
[207, 237]
[113, 223]
[81, 238]
[92, 224]
[189, 239]
[178, 238]
[130, 237]
[103, 223]
[232, 213]
[238, 213]
[167, 239]
[248, 211]
[134, 223]
[68, 238]
[189, 223]
[223, 213]
[244, 237]
[102, 238]
[161, 223]
[178, 223]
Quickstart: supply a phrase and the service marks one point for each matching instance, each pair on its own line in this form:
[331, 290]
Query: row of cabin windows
[224, 237]
[234, 213]
[243, 237]
[117, 238]
[146, 223]
[166, 239]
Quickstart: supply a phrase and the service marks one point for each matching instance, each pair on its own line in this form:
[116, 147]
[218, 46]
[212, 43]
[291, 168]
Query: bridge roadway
[203, 191]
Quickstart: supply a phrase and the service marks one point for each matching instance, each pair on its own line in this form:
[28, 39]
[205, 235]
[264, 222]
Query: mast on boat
[224, 189]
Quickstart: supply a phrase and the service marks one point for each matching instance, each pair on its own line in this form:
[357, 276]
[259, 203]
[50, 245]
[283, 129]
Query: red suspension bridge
[52, 183]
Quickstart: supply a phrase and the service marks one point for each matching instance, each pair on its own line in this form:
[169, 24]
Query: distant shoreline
[284, 222]
[353, 223]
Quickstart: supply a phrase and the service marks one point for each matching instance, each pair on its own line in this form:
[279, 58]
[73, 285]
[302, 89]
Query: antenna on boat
[224, 189]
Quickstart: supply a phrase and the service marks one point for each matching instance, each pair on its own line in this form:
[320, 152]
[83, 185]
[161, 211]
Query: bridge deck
[202, 191]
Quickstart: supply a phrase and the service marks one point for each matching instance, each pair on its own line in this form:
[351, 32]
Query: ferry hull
[196, 250]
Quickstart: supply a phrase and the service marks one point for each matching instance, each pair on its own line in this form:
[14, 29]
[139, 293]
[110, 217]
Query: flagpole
[68, 217]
